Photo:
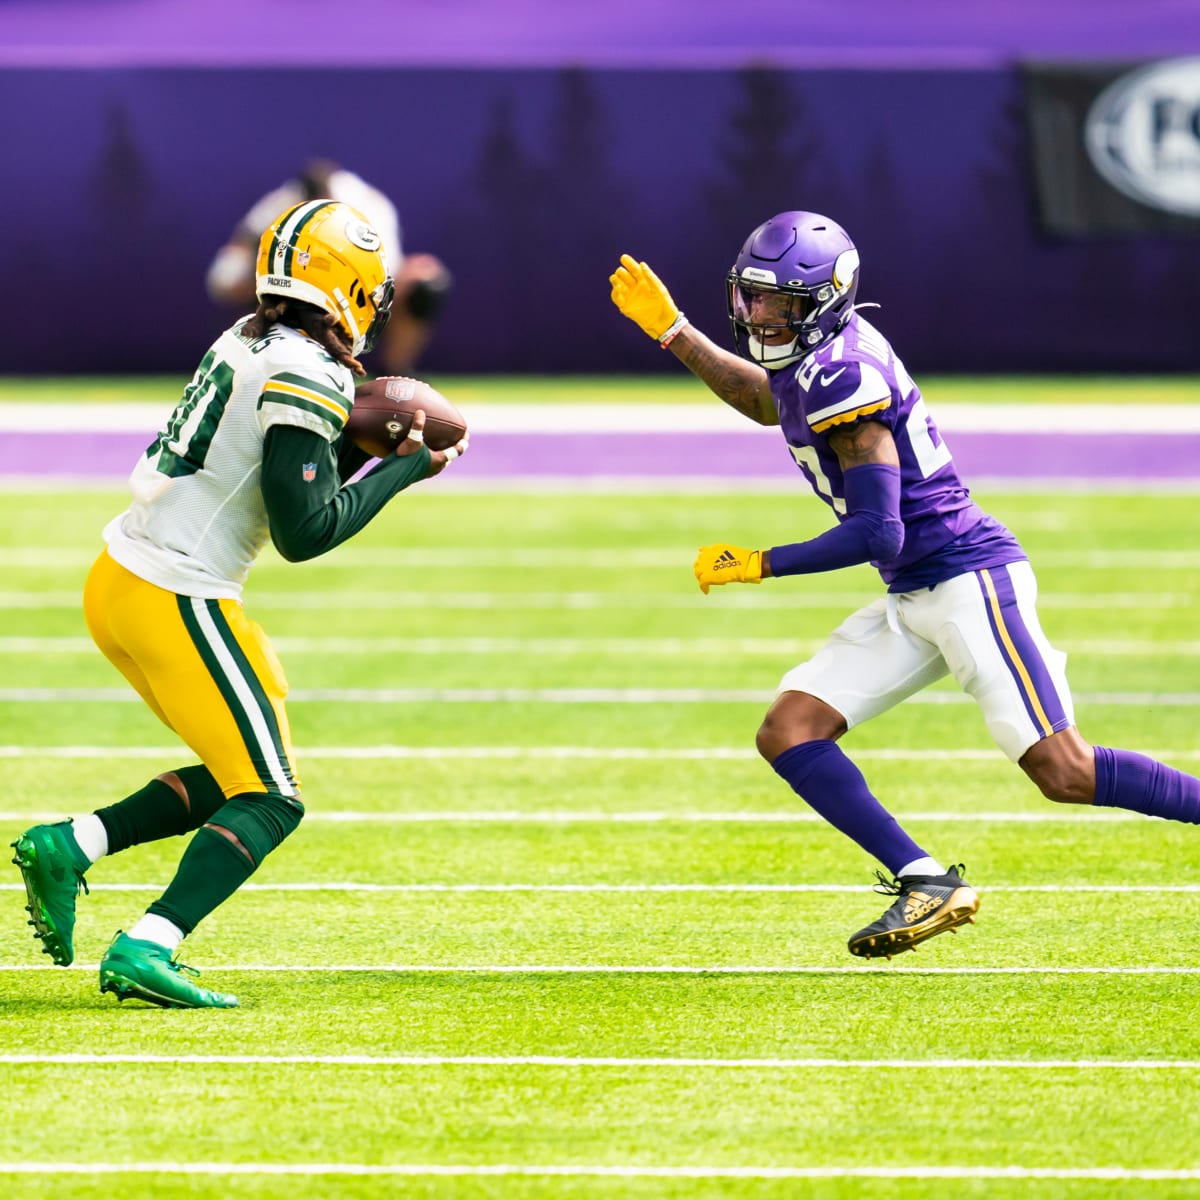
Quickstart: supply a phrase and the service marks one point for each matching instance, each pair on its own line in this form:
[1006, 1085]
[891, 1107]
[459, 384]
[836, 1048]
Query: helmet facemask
[381, 298]
[796, 274]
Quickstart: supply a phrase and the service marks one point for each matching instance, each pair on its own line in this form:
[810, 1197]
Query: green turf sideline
[674, 388]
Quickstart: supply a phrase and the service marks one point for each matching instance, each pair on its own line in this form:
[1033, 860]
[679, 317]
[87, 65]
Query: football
[383, 411]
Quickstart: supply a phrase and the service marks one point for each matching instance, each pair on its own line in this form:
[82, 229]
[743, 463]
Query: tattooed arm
[863, 442]
[743, 385]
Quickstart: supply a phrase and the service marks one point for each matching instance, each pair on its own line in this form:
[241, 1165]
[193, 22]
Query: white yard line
[566, 816]
[607, 647]
[622, 969]
[559, 696]
[617, 889]
[567, 1171]
[612, 558]
[556, 1060]
[794, 600]
[567, 753]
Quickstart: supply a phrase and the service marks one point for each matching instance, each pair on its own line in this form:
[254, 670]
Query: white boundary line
[609, 558]
[653, 888]
[567, 817]
[619, 969]
[619, 889]
[555, 1060]
[568, 1171]
[572, 602]
[563, 696]
[603, 647]
[457, 754]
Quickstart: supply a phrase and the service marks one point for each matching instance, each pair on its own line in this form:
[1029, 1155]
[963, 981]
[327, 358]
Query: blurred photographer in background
[421, 280]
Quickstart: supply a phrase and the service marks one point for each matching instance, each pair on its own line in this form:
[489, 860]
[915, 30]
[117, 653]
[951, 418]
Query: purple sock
[819, 773]
[1133, 781]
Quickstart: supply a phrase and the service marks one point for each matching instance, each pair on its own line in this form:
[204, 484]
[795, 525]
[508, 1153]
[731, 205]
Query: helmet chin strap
[780, 356]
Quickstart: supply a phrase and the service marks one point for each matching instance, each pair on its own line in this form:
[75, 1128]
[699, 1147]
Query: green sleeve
[309, 510]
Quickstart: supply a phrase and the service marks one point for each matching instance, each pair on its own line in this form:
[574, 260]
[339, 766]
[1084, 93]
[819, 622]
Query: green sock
[211, 870]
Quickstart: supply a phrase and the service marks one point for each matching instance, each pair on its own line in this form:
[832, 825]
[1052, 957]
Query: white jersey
[198, 521]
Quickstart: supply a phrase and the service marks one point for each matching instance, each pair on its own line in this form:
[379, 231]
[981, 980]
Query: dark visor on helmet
[761, 306]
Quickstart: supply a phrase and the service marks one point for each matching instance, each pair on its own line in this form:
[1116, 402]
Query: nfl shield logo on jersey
[309, 472]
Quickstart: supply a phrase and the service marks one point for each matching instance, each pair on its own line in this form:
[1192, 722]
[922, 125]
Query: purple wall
[679, 33]
[120, 181]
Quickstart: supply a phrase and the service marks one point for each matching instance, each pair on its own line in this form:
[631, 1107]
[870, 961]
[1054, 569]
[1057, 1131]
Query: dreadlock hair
[321, 326]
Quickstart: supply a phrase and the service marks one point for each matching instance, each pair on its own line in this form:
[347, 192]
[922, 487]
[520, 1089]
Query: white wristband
[672, 331]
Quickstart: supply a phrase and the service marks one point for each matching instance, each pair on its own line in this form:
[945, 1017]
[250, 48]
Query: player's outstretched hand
[723, 563]
[643, 297]
[439, 460]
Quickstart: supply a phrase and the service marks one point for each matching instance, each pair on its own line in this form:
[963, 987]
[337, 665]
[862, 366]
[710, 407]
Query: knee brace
[259, 820]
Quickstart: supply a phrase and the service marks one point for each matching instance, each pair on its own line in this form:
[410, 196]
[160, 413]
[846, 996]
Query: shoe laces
[898, 887]
[184, 969]
[887, 887]
[81, 883]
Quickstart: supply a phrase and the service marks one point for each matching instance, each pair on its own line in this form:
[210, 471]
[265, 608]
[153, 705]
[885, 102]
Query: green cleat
[146, 971]
[52, 866]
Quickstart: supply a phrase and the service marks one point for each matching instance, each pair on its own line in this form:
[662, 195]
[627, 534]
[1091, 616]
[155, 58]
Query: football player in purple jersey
[961, 596]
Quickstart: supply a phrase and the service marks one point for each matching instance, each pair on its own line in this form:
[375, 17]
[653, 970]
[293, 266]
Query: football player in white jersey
[251, 453]
[422, 280]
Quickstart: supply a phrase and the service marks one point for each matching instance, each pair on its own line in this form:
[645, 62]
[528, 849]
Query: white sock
[157, 929]
[90, 836]
[921, 866]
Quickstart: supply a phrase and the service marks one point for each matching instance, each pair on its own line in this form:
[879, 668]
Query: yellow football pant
[206, 671]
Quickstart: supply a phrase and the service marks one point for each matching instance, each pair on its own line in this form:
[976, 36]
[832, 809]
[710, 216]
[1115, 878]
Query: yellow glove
[727, 564]
[644, 299]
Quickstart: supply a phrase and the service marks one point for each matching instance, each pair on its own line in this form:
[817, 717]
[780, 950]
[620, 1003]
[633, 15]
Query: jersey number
[806, 456]
[930, 457]
[183, 445]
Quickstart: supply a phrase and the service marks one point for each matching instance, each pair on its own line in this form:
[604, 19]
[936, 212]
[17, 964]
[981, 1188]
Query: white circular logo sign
[1143, 135]
[362, 235]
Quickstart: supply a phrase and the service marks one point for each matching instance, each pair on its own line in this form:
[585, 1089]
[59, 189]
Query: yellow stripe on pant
[206, 670]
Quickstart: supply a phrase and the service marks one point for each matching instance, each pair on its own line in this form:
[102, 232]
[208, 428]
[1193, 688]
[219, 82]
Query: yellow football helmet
[325, 252]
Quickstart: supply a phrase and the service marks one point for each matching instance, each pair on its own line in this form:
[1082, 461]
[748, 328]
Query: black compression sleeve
[308, 509]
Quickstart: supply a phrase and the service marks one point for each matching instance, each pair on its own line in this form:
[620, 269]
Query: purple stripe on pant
[1027, 668]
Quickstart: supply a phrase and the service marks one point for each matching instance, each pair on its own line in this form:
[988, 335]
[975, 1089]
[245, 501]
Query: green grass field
[550, 929]
[472, 390]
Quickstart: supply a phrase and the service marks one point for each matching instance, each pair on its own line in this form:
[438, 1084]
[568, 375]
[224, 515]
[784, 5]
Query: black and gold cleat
[925, 905]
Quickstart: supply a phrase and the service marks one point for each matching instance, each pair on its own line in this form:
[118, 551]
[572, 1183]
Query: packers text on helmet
[326, 253]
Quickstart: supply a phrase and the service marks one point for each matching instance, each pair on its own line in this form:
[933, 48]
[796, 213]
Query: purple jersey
[856, 376]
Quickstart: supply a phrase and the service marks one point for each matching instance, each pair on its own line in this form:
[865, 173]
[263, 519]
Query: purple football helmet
[797, 272]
